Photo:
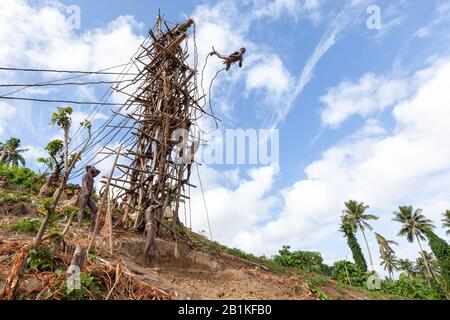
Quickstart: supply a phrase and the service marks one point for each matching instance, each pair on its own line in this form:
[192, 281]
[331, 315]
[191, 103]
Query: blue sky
[361, 112]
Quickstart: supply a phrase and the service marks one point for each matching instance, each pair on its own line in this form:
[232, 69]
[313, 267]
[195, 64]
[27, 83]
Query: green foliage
[415, 288]
[384, 245]
[431, 262]
[302, 260]
[41, 259]
[69, 211]
[441, 250]
[406, 266]
[55, 149]
[90, 284]
[358, 256]
[61, 117]
[47, 161]
[446, 221]
[389, 261]
[12, 198]
[270, 263]
[26, 225]
[86, 124]
[414, 223]
[356, 212]
[10, 154]
[349, 273]
[327, 270]
[48, 204]
[76, 156]
[317, 292]
[348, 227]
[21, 177]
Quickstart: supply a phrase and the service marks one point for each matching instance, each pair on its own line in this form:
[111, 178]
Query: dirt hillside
[196, 273]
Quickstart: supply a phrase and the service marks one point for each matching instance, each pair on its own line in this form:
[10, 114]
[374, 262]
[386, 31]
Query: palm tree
[355, 210]
[428, 262]
[414, 224]
[407, 266]
[348, 228]
[384, 244]
[10, 152]
[389, 261]
[446, 221]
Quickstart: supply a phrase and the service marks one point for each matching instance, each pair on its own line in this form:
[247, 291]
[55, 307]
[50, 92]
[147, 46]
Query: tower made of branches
[165, 106]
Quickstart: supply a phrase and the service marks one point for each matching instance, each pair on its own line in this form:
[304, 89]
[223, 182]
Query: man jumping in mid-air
[231, 59]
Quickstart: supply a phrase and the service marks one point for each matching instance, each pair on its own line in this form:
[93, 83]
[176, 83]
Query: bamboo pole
[105, 193]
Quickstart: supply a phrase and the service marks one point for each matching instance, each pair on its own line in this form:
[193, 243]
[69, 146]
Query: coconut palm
[427, 262]
[406, 266]
[348, 228]
[10, 152]
[389, 261]
[446, 221]
[355, 211]
[384, 244]
[414, 223]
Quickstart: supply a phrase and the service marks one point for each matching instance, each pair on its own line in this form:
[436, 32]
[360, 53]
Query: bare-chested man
[86, 196]
[231, 59]
[192, 151]
[150, 228]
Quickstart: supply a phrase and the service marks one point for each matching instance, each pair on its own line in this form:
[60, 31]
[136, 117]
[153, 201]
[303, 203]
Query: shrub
[22, 177]
[349, 273]
[26, 225]
[69, 211]
[14, 198]
[302, 260]
[414, 288]
[441, 250]
[41, 259]
[89, 284]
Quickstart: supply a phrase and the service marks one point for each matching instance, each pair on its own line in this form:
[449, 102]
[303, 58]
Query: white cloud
[387, 27]
[36, 35]
[232, 209]
[34, 153]
[342, 20]
[408, 165]
[220, 25]
[442, 15]
[225, 25]
[40, 33]
[370, 93]
[271, 75]
[276, 8]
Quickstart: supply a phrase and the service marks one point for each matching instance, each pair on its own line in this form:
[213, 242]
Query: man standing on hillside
[87, 190]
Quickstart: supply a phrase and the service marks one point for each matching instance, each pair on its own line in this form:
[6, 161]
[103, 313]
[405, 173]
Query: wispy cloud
[442, 15]
[342, 20]
[389, 26]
